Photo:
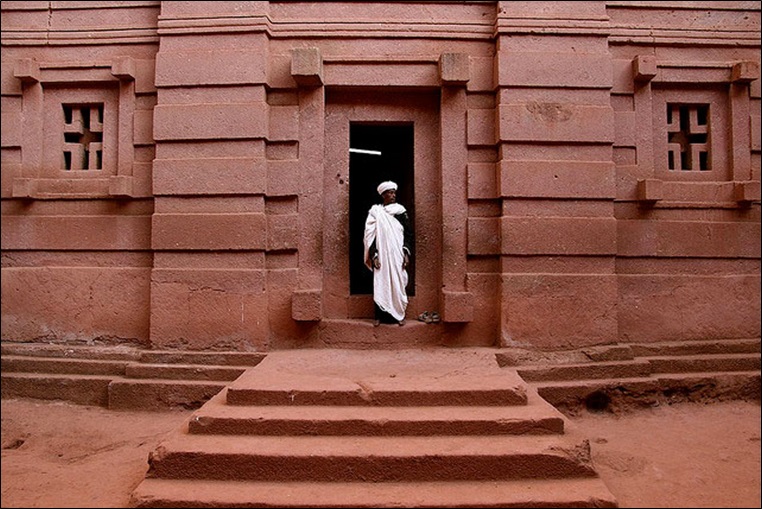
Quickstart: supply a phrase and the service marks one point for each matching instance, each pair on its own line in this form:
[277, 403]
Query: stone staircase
[352, 428]
[428, 427]
[115, 377]
[623, 376]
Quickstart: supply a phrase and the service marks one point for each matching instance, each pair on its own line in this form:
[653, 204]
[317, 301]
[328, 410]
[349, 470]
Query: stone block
[209, 231]
[557, 179]
[386, 73]
[282, 177]
[480, 127]
[282, 232]
[756, 133]
[709, 305]
[220, 66]
[142, 130]
[307, 66]
[650, 190]
[23, 188]
[559, 69]
[124, 69]
[482, 76]
[120, 185]
[10, 120]
[457, 306]
[744, 72]
[482, 181]
[483, 236]
[27, 70]
[284, 123]
[747, 192]
[626, 129]
[588, 236]
[556, 122]
[644, 68]
[454, 68]
[215, 121]
[209, 176]
[307, 305]
[76, 233]
[559, 311]
[681, 239]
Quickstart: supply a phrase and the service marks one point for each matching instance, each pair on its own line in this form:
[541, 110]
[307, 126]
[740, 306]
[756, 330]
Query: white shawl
[390, 280]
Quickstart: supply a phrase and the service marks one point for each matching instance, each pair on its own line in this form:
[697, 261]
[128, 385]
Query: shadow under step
[577, 492]
[603, 394]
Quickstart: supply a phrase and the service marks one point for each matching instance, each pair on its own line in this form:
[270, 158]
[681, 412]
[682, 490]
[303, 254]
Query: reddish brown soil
[685, 455]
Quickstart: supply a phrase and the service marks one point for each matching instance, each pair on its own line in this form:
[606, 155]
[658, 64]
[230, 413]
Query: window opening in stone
[688, 137]
[378, 152]
[83, 137]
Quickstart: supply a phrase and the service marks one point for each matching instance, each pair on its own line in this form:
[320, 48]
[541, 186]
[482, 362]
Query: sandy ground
[687, 455]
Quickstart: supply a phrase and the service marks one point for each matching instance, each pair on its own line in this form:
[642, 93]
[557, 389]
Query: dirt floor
[687, 455]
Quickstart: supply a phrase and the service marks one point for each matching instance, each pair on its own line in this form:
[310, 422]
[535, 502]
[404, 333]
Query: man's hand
[405, 260]
[376, 263]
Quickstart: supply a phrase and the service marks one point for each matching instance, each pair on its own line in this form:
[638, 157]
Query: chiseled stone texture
[219, 212]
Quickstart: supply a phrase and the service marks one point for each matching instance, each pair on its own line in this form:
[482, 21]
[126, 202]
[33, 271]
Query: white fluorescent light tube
[363, 151]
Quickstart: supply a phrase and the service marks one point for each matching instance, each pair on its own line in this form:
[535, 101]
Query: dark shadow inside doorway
[378, 152]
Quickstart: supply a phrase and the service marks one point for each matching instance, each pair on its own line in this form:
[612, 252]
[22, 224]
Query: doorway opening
[378, 152]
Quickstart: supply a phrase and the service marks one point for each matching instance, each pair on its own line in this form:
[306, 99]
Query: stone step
[361, 335]
[724, 346]
[77, 389]
[577, 492]
[220, 373]
[260, 388]
[570, 396]
[417, 377]
[236, 359]
[216, 417]
[705, 363]
[370, 459]
[59, 365]
[624, 369]
[347, 428]
[116, 353]
[513, 356]
[159, 394]
[119, 377]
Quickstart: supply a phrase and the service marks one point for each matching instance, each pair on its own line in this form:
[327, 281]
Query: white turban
[385, 186]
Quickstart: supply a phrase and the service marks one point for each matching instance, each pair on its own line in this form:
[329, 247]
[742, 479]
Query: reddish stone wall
[76, 243]
[216, 215]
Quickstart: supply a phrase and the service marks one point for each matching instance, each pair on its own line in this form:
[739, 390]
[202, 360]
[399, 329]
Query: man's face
[389, 196]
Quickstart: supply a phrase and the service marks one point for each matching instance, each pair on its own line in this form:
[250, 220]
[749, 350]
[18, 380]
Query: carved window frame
[727, 85]
[46, 87]
[716, 100]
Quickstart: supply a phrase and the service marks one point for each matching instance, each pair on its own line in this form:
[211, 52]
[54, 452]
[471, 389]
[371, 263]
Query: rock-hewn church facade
[196, 175]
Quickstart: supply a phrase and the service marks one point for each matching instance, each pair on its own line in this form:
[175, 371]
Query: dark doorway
[378, 152]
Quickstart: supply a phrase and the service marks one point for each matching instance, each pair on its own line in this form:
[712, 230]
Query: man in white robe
[387, 253]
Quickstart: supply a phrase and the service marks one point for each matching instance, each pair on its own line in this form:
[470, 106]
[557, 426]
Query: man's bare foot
[376, 323]
[402, 322]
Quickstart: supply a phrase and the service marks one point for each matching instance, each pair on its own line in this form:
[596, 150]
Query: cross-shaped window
[688, 137]
[83, 137]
